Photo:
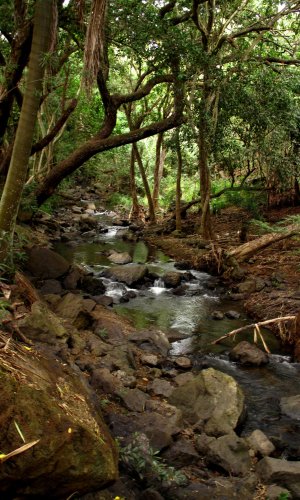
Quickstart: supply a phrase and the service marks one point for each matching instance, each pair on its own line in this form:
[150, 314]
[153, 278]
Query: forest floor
[277, 266]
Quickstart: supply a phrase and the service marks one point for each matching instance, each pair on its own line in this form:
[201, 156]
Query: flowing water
[190, 315]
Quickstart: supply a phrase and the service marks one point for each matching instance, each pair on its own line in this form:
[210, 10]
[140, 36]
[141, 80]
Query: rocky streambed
[177, 415]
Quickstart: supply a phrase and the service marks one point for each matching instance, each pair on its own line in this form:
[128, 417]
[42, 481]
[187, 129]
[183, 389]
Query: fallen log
[250, 248]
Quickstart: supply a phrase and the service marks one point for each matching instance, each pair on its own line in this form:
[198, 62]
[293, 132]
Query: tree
[12, 192]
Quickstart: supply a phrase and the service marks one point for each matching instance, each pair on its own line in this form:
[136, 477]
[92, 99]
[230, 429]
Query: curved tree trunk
[17, 173]
[135, 209]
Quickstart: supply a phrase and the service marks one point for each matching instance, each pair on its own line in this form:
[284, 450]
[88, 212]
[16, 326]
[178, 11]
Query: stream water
[190, 315]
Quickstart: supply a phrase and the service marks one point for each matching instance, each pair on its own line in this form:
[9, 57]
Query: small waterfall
[159, 283]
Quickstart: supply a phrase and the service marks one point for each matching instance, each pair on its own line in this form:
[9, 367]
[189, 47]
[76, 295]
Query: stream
[189, 314]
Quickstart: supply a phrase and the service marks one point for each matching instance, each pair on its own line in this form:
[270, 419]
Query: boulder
[281, 472]
[231, 453]
[119, 258]
[232, 314]
[213, 400]
[260, 443]
[183, 362]
[248, 354]
[181, 453]
[76, 309]
[129, 273]
[51, 405]
[152, 341]
[51, 287]
[290, 406]
[217, 315]
[46, 264]
[133, 399]
[172, 279]
[161, 387]
[92, 285]
[43, 325]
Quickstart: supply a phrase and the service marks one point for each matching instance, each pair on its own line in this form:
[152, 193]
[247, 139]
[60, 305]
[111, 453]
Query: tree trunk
[159, 167]
[17, 173]
[178, 182]
[139, 160]
[135, 209]
[250, 248]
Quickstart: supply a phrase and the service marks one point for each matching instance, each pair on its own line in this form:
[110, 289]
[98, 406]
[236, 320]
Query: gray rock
[173, 414]
[119, 258]
[127, 380]
[129, 273]
[181, 454]
[280, 472]
[104, 380]
[275, 492]
[76, 309]
[213, 399]
[248, 354]
[290, 406]
[182, 378]
[151, 341]
[260, 443]
[231, 453]
[161, 387]
[134, 399]
[46, 264]
[76, 210]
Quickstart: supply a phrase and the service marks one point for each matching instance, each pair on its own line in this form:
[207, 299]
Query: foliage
[147, 464]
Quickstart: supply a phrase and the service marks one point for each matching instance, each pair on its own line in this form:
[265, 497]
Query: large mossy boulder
[47, 402]
[213, 400]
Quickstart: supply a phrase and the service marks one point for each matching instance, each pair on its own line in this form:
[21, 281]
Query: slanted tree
[12, 192]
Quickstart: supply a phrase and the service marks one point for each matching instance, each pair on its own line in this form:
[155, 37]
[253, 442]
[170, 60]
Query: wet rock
[280, 472]
[231, 453]
[161, 387]
[129, 273]
[181, 453]
[248, 354]
[232, 314]
[55, 408]
[183, 362]
[133, 399]
[119, 258]
[217, 315]
[172, 279]
[46, 264]
[43, 325]
[92, 285]
[153, 341]
[183, 265]
[51, 287]
[290, 406]
[213, 399]
[260, 443]
[149, 359]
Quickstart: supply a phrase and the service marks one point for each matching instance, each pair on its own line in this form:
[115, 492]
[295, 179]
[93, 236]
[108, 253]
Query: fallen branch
[256, 327]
